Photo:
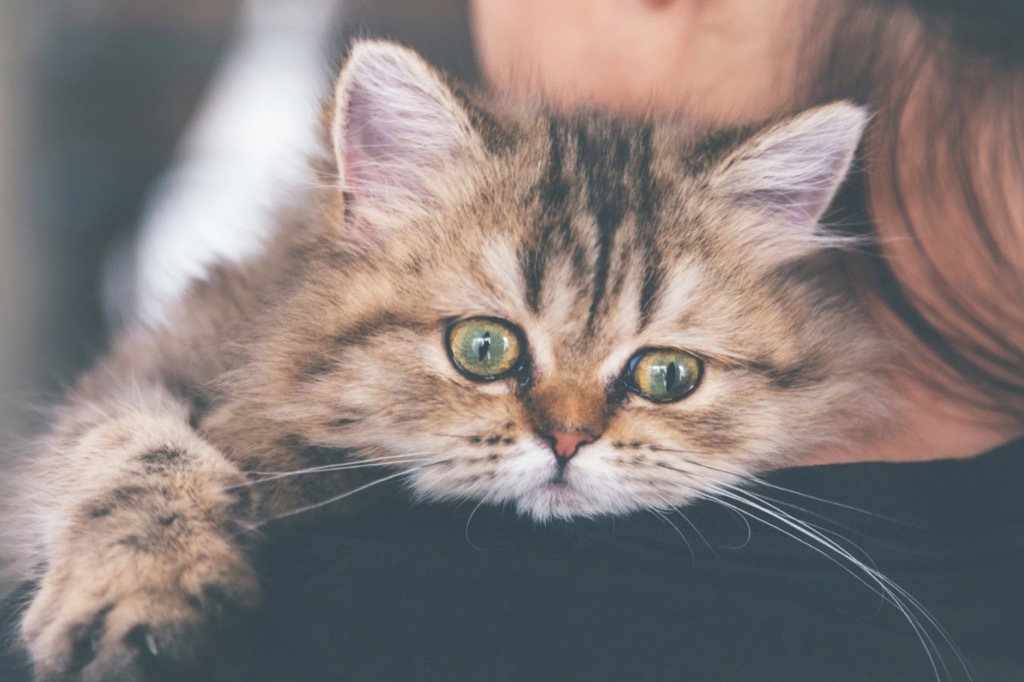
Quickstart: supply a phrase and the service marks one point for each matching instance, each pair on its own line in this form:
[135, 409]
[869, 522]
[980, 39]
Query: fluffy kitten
[575, 315]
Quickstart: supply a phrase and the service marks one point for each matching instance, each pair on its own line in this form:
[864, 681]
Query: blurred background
[140, 138]
[166, 116]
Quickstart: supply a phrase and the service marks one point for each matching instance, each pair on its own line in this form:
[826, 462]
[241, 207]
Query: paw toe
[85, 638]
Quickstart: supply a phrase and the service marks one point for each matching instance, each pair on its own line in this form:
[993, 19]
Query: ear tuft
[792, 170]
[396, 124]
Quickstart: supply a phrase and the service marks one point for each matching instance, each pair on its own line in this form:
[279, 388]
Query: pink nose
[566, 443]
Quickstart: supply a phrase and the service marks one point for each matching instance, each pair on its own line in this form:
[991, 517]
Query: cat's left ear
[791, 170]
[396, 128]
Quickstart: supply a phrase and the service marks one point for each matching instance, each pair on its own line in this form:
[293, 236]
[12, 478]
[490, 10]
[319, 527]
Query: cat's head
[575, 315]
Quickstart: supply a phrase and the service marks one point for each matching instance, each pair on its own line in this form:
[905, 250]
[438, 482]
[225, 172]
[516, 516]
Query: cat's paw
[135, 616]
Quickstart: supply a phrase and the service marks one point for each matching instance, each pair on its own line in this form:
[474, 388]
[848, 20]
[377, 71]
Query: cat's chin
[562, 499]
[556, 499]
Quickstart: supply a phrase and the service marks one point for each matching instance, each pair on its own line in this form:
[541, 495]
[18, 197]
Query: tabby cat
[573, 315]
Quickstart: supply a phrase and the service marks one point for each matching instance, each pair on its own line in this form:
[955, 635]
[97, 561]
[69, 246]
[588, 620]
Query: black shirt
[457, 593]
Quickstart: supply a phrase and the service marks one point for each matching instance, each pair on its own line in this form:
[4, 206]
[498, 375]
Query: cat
[574, 315]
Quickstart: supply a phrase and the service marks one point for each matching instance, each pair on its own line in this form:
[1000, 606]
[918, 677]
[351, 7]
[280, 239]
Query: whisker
[706, 542]
[908, 606]
[758, 481]
[707, 483]
[384, 462]
[882, 591]
[335, 466]
[815, 539]
[470, 520]
[825, 532]
[661, 515]
[809, 512]
[336, 498]
[458, 436]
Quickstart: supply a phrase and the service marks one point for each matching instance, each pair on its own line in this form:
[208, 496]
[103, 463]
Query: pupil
[671, 376]
[484, 347]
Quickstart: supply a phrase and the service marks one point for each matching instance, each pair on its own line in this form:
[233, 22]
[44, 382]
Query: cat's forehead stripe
[600, 169]
[604, 167]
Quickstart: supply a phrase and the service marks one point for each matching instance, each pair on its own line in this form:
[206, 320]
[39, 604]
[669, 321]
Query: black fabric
[457, 593]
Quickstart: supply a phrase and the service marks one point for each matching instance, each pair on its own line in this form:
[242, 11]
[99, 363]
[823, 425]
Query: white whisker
[661, 515]
[707, 483]
[706, 542]
[340, 466]
[911, 609]
[342, 496]
[470, 520]
[382, 462]
[809, 512]
[760, 482]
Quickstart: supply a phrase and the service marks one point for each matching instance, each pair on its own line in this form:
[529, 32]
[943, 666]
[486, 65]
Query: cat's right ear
[789, 172]
[396, 128]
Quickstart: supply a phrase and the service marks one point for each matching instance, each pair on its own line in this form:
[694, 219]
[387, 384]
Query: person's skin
[724, 59]
[728, 61]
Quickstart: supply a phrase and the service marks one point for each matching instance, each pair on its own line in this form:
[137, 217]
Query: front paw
[131, 615]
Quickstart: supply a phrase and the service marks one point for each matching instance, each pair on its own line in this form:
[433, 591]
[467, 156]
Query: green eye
[484, 348]
[663, 375]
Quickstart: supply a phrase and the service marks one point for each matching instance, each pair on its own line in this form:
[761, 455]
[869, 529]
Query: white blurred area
[244, 153]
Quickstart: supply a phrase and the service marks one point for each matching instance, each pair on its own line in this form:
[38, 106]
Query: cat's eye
[663, 375]
[485, 348]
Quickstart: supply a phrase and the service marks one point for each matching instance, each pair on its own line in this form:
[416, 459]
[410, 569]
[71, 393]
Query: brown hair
[945, 160]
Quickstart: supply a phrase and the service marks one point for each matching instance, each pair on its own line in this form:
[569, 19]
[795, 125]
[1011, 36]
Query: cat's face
[577, 316]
